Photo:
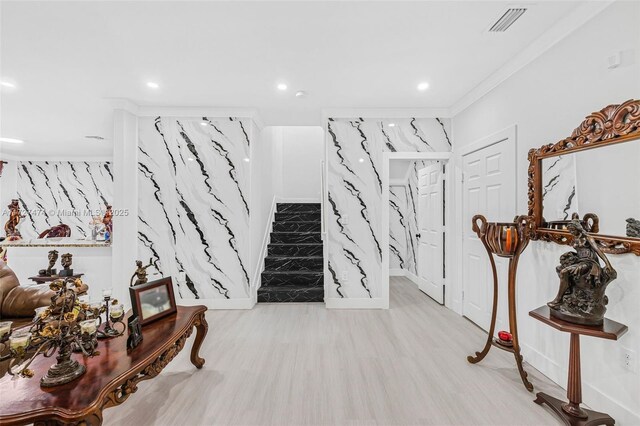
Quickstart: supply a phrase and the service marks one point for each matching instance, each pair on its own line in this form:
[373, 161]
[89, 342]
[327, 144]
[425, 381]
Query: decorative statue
[107, 220]
[53, 258]
[581, 298]
[65, 260]
[633, 228]
[141, 273]
[11, 227]
[61, 230]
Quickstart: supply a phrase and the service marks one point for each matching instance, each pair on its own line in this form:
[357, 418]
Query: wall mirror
[592, 175]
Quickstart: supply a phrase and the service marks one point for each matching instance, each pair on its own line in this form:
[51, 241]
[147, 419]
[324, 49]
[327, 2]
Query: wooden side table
[571, 412]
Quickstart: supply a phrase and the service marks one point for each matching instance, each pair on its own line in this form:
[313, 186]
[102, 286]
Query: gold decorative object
[11, 227]
[140, 273]
[66, 325]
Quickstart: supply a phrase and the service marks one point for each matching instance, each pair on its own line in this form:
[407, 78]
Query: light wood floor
[283, 364]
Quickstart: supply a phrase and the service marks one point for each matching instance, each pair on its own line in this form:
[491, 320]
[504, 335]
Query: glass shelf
[55, 242]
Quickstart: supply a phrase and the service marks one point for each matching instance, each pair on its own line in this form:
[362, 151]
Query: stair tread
[295, 244]
[288, 287]
[293, 272]
[296, 257]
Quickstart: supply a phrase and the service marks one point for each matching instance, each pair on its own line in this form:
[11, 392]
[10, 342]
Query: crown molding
[173, 111]
[556, 33]
[385, 113]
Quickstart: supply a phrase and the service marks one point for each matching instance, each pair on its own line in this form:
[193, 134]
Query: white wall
[547, 100]
[299, 152]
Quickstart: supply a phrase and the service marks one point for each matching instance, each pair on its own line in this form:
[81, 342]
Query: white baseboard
[356, 303]
[544, 364]
[623, 415]
[298, 200]
[397, 272]
[412, 277]
[244, 303]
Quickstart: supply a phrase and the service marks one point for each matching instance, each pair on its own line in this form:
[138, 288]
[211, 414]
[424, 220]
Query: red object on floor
[505, 336]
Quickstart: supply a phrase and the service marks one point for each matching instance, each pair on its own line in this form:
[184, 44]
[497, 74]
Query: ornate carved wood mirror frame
[613, 124]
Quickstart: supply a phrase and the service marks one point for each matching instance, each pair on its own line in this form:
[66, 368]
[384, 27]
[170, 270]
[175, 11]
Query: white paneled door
[430, 260]
[489, 188]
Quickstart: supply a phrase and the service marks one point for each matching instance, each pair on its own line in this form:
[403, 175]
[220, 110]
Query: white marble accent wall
[54, 192]
[354, 180]
[398, 227]
[194, 203]
[559, 187]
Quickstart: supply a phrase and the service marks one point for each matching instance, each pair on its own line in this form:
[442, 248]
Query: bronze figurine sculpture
[11, 227]
[581, 298]
[65, 260]
[140, 273]
[107, 220]
[53, 258]
[633, 228]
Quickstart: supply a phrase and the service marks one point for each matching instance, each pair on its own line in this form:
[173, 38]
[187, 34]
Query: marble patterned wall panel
[194, 203]
[54, 192]
[354, 180]
[398, 227]
[559, 187]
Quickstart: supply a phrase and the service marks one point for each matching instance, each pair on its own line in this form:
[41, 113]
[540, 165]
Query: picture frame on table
[153, 300]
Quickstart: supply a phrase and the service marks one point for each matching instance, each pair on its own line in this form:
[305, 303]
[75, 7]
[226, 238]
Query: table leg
[574, 384]
[479, 356]
[201, 331]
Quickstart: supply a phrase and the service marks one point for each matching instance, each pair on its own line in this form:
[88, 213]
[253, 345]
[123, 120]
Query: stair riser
[293, 264]
[304, 280]
[296, 227]
[296, 238]
[298, 217]
[294, 250]
[298, 207]
[271, 295]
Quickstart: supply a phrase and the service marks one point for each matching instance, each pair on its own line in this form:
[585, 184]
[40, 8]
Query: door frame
[509, 132]
[444, 157]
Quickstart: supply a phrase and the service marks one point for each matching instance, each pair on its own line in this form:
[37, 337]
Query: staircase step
[296, 237]
[296, 226]
[297, 217]
[290, 294]
[292, 278]
[294, 250]
[298, 207]
[283, 263]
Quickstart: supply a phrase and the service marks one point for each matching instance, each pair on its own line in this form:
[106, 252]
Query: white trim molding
[556, 33]
[218, 304]
[356, 303]
[385, 113]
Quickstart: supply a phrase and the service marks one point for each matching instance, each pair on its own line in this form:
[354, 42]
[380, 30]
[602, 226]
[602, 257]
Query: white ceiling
[69, 58]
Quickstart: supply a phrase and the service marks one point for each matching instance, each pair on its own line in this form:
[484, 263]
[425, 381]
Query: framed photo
[153, 300]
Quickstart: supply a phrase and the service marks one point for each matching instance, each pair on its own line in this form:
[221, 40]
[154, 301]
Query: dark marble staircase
[293, 266]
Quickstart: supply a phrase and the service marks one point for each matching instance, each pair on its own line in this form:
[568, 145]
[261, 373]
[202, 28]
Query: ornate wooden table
[111, 376]
[570, 412]
[47, 279]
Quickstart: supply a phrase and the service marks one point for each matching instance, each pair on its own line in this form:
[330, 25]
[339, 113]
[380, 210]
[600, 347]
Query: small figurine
[53, 258]
[581, 298]
[65, 260]
[96, 227]
[57, 231]
[633, 228]
[140, 273]
[11, 227]
[107, 220]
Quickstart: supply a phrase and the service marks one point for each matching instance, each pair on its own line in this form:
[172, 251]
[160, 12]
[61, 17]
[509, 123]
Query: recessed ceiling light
[361, 160]
[246, 159]
[7, 84]
[152, 84]
[282, 86]
[423, 86]
[203, 123]
[392, 124]
[191, 159]
[301, 94]
[11, 140]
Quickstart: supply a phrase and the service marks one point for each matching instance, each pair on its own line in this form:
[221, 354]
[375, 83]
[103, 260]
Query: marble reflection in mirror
[604, 181]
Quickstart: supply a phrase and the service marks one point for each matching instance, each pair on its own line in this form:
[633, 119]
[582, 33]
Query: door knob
[417, 235]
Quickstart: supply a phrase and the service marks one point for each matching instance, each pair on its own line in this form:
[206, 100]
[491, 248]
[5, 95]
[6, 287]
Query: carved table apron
[111, 376]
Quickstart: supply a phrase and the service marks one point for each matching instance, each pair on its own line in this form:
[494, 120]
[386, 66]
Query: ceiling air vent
[506, 20]
[98, 138]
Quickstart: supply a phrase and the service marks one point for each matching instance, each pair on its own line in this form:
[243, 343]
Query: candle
[88, 326]
[39, 311]
[19, 341]
[116, 311]
[5, 328]
[508, 246]
[106, 293]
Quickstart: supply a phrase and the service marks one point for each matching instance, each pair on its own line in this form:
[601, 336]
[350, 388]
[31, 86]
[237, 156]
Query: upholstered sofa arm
[22, 301]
